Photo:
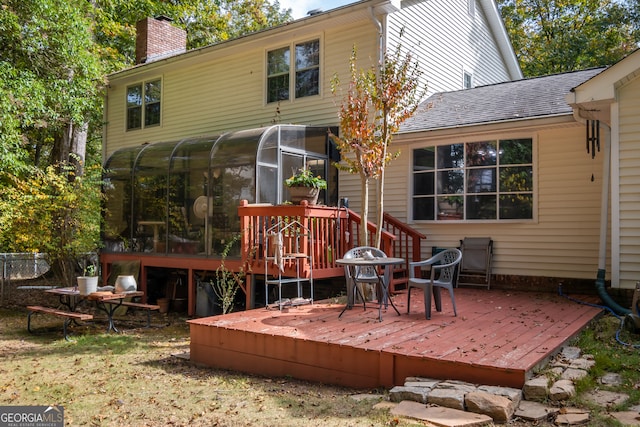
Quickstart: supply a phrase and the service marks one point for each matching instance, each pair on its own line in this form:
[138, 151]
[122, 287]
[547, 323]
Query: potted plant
[304, 185]
[88, 282]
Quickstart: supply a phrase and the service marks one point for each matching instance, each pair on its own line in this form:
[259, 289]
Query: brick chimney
[157, 38]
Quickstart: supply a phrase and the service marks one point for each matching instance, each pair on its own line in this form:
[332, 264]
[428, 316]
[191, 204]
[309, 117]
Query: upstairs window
[278, 64]
[467, 80]
[487, 180]
[143, 104]
[304, 76]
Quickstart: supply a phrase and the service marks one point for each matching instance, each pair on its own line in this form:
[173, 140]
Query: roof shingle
[515, 100]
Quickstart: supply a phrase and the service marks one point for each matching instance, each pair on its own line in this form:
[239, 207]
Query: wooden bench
[68, 315]
[148, 307]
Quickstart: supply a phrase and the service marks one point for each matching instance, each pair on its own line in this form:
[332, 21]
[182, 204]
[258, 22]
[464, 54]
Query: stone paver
[440, 416]
[586, 362]
[573, 374]
[457, 403]
[562, 390]
[611, 379]
[534, 411]
[417, 394]
[572, 417]
[606, 399]
[571, 352]
[499, 408]
[627, 418]
[536, 389]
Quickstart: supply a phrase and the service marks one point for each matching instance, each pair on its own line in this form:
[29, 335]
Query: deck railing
[407, 245]
[334, 231]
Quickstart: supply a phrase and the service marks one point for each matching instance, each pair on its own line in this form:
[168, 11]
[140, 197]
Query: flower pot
[87, 284]
[298, 194]
[125, 283]
[164, 304]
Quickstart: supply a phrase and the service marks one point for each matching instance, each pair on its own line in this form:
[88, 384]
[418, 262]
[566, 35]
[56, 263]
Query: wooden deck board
[499, 337]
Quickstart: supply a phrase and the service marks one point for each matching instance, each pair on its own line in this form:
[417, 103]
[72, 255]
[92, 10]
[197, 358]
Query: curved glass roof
[181, 197]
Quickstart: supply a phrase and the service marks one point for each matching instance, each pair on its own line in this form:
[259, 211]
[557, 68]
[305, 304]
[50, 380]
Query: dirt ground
[141, 377]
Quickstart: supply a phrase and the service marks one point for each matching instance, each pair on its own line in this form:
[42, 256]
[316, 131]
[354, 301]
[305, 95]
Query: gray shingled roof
[516, 100]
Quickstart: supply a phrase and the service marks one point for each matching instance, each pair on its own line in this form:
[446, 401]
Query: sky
[299, 8]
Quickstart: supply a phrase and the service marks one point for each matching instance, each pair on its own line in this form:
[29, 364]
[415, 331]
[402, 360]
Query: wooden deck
[498, 338]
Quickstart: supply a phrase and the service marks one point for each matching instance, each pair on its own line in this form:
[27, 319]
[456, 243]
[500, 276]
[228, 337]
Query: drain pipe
[604, 220]
[381, 38]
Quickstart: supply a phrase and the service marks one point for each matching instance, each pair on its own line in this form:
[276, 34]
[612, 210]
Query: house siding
[225, 100]
[451, 43]
[629, 180]
[562, 241]
[222, 87]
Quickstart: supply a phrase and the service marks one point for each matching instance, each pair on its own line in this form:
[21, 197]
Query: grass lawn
[140, 377]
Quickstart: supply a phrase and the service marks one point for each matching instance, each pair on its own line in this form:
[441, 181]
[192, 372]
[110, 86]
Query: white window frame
[465, 73]
[143, 105]
[292, 70]
[465, 168]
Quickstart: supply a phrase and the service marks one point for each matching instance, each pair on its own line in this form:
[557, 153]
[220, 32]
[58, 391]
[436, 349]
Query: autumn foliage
[377, 101]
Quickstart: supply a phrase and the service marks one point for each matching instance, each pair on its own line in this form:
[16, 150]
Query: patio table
[105, 301]
[387, 262]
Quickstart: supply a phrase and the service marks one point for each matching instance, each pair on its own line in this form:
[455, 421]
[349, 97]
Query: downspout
[604, 222]
[381, 41]
[380, 182]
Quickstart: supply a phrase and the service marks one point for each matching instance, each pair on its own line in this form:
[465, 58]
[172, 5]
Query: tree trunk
[79, 147]
[380, 210]
[364, 220]
[73, 140]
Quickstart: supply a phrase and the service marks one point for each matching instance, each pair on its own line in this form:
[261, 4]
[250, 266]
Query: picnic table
[106, 301]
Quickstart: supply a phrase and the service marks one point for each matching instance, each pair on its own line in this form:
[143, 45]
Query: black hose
[606, 298]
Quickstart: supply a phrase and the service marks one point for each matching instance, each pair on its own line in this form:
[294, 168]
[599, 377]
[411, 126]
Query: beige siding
[629, 176]
[229, 93]
[562, 242]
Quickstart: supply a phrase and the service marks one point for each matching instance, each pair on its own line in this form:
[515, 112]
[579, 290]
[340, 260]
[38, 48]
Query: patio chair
[475, 268]
[360, 275]
[443, 266]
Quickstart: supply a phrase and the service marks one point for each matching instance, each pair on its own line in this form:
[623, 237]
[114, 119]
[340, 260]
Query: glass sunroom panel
[233, 178]
[189, 203]
[150, 198]
[117, 188]
[267, 193]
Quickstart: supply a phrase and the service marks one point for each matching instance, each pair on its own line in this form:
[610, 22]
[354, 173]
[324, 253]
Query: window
[467, 80]
[143, 104]
[278, 75]
[305, 75]
[487, 180]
